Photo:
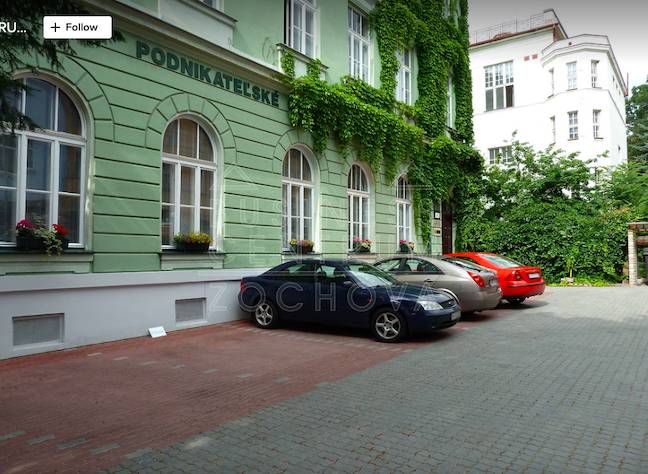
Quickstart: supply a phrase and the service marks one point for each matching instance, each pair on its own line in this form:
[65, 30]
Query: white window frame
[596, 123]
[572, 75]
[56, 139]
[501, 155]
[178, 162]
[215, 4]
[364, 61]
[499, 76]
[404, 76]
[451, 104]
[404, 209]
[362, 196]
[306, 6]
[288, 183]
[594, 71]
[572, 118]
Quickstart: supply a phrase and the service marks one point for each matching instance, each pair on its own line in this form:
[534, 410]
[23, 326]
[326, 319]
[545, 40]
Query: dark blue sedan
[348, 293]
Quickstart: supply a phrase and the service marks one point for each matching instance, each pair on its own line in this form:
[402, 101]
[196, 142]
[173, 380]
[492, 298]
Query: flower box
[302, 246]
[29, 242]
[192, 242]
[406, 246]
[361, 246]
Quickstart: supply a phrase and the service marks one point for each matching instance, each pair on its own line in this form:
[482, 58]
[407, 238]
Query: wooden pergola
[633, 228]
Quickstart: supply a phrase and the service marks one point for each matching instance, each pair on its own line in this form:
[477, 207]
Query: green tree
[15, 47]
[637, 122]
[549, 209]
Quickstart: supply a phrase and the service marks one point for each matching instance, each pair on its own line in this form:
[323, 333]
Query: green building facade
[184, 127]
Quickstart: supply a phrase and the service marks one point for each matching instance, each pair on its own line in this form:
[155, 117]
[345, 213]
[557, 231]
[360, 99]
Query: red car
[518, 282]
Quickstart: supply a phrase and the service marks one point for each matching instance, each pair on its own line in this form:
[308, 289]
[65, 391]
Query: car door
[295, 292]
[335, 295]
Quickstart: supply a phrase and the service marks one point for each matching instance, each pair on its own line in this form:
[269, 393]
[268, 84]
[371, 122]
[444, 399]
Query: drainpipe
[632, 258]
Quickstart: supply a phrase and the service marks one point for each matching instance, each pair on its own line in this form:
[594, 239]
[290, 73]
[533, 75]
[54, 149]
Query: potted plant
[31, 236]
[192, 242]
[406, 246]
[302, 246]
[62, 234]
[361, 245]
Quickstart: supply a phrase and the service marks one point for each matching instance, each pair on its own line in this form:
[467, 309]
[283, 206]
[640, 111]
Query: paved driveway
[559, 386]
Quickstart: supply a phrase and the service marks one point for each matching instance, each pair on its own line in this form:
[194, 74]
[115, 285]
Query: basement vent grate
[190, 310]
[37, 329]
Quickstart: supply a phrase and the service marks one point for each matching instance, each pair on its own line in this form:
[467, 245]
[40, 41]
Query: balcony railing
[546, 18]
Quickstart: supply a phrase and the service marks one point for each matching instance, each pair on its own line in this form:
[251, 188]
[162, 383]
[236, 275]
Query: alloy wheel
[264, 314]
[388, 326]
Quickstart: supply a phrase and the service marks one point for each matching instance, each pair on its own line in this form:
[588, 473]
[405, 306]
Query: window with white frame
[404, 76]
[358, 44]
[595, 73]
[403, 210]
[298, 198]
[596, 122]
[300, 22]
[42, 171]
[502, 155]
[572, 78]
[359, 209]
[573, 125]
[499, 85]
[189, 167]
[552, 81]
[552, 120]
[451, 104]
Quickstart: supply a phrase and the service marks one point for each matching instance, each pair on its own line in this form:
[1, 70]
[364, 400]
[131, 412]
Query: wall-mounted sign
[196, 70]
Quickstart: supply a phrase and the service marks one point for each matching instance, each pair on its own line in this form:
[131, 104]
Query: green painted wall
[130, 101]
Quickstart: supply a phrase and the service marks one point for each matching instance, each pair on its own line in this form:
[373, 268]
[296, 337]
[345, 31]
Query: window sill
[572, 139]
[598, 138]
[370, 257]
[301, 60]
[174, 260]
[17, 262]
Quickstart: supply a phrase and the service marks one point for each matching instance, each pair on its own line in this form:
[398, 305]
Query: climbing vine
[442, 163]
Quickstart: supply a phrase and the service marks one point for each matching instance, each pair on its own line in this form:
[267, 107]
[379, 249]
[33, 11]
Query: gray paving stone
[558, 385]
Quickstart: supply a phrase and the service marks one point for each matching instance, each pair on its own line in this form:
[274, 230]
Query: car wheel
[388, 326]
[518, 300]
[265, 315]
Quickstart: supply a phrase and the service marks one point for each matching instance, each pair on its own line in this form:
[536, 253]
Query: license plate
[456, 315]
[534, 275]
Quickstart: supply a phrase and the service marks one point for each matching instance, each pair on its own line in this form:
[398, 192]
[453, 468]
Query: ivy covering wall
[442, 165]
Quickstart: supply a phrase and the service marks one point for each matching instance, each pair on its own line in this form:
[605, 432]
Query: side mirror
[347, 283]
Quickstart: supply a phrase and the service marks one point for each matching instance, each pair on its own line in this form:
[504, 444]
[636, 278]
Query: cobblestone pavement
[560, 386]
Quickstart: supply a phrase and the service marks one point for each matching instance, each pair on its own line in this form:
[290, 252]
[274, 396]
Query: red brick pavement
[149, 393]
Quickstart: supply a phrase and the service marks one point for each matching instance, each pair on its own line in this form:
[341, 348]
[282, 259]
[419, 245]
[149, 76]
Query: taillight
[478, 279]
[515, 275]
[242, 286]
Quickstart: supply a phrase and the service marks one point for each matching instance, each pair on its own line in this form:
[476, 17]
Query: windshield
[501, 262]
[369, 276]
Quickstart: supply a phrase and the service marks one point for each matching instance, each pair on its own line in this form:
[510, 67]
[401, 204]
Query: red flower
[60, 230]
[24, 225]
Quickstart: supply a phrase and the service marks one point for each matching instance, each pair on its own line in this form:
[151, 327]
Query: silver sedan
[476, 287]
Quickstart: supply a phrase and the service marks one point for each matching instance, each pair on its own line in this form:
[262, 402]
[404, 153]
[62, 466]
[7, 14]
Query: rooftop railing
[546, 18]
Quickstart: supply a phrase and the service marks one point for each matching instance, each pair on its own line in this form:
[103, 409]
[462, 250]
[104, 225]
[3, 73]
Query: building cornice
[142, 24]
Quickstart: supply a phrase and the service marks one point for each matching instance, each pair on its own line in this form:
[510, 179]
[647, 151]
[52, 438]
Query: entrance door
[446, 227]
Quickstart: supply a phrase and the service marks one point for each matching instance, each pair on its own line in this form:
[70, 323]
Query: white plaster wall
[108, 307]
[535, 104]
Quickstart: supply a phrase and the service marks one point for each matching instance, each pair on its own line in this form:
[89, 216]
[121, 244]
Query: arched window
[403, 210]
[298, 197]
[188, 180]
[42, 171]
[358, 197]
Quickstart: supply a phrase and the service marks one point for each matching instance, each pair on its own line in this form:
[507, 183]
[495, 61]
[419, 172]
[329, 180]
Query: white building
[530, 77]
